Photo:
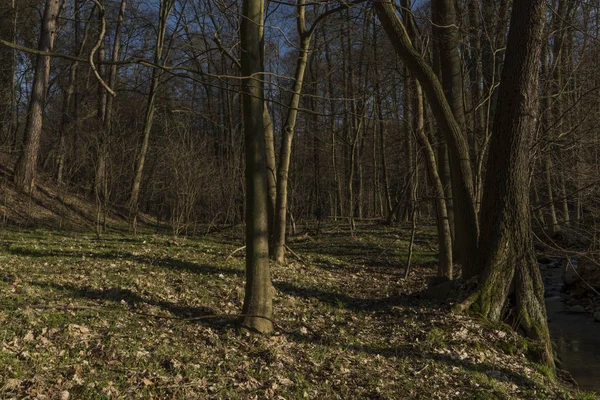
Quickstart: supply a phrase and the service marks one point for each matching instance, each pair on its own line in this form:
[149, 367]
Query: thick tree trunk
[506, 245]
[25, 169]
[257, 309]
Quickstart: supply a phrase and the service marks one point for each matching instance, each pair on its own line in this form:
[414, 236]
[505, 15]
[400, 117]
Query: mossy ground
[154, 317]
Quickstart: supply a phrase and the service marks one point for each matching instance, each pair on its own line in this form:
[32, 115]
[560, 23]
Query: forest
[332, 199]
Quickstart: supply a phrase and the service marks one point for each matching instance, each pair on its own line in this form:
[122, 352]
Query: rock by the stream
[577, 309]
[597, 316]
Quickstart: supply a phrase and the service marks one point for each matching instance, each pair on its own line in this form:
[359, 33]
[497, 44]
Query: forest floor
[154, 317]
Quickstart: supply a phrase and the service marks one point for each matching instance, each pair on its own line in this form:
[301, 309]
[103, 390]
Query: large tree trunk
[457, 144]
[258, 309]
[506, 245]
[25, 169]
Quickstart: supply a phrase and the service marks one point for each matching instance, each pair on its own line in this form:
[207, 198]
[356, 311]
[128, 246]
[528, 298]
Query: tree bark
[257, 309]
[26, 167]
[506, 245]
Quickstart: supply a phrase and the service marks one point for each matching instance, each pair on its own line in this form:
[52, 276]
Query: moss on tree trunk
[505, 247]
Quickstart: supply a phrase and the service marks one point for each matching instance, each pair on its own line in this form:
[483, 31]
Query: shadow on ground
[342, 300]
[162, 262]
[201, 315]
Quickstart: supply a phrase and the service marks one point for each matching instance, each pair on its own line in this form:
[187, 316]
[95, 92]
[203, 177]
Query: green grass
[154, 317]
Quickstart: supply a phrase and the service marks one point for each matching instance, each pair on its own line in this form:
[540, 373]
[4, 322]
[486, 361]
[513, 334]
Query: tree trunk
[446, 31]
[564, 201]
[338, 208]
[506, 245]
[106, 111]
[478, 104]
[457, 145]
[410, 156]
[68, 97]
[552, 218]
[165, 10]
[25, 169]
[258, 308]
[7, 74]
[285, 153]
[271, 171]
[445, 267]
[100, 175]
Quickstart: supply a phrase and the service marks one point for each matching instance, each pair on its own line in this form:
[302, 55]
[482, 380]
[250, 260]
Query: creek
[575, 334]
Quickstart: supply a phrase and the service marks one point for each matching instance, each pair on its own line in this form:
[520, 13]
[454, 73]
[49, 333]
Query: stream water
[576, 335]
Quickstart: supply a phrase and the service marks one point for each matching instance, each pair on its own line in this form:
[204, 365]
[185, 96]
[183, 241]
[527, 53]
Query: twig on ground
[233, 252]
[295, 255]
[421, 370]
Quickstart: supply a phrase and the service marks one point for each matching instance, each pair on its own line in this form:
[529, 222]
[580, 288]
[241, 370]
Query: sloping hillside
[50, 206]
